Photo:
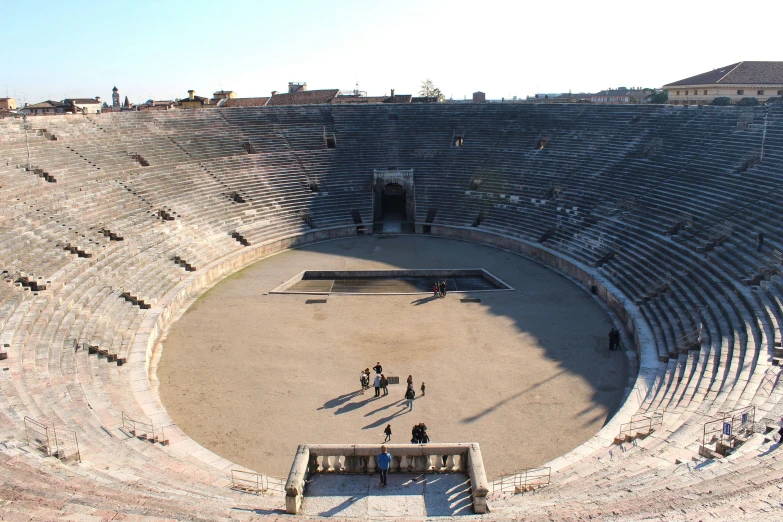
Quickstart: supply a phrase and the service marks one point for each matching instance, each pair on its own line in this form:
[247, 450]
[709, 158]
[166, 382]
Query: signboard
[727, 429]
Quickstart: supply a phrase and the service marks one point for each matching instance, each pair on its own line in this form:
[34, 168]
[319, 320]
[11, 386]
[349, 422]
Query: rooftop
[304, 97]
[247, 102]
[738, 73]
[48, 104]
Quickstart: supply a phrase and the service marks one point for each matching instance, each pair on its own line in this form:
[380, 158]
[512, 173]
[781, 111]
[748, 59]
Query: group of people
[614, 339]
[419, 434]
[384, 458]
[380, 382]
[439, 289]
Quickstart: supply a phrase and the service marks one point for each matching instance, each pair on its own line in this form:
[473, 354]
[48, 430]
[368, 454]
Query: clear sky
[160, 49]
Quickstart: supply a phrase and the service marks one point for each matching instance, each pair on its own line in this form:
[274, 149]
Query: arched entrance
[393, 210]
[393, 203]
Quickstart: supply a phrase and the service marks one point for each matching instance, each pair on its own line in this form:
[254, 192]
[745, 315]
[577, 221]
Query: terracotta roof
[247, 102]
[48, 104]
[82, 101]
[351, 99]
[304, 97]
[765, 73]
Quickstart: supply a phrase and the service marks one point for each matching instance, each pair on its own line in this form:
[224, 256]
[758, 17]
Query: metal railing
[54, 442]
[724, 430]
[523, 480]
[644, 423]
[143, 429]
[256, 483]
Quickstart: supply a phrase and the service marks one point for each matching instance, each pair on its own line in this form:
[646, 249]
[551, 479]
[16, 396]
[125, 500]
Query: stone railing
[406, 458]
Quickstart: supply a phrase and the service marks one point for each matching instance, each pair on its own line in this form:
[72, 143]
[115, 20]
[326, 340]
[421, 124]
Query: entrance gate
[394, 198]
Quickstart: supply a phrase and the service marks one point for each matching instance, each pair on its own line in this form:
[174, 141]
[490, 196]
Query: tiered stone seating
[627, 199]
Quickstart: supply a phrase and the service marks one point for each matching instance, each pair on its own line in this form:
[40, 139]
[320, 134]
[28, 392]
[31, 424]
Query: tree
[722, 100]
[776, 99]
[748, 102]
[660, 97]
[429, 90]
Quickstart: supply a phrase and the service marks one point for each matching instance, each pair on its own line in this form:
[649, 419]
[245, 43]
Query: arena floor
[526, 373]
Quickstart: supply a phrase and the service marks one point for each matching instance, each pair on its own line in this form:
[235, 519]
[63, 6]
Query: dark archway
[393, 202]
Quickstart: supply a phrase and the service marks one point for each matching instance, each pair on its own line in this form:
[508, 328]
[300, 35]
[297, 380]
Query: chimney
[191, 94]
[392, 93]
[274, 93]
[98, 99]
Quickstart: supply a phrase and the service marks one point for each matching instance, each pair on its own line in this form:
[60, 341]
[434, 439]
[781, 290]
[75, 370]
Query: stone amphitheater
[112, 224]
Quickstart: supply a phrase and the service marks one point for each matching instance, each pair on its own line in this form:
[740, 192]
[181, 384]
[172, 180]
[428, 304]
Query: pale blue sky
[161, 49]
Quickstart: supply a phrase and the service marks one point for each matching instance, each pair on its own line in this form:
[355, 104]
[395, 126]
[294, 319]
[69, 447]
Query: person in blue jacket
[384, 461]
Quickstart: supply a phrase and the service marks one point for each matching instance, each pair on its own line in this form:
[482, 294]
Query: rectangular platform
[408, 495]
[403, 282]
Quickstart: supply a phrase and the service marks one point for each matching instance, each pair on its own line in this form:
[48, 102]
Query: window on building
[678, 93]
[705, 92]
[686, 93]
[780, 93]
[760, 92]
[740, 91]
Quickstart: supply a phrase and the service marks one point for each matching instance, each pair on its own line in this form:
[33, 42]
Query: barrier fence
[726, 430]
[251, 482]
[523, 480]
[54, 442]
[143, 429]
[645, 424]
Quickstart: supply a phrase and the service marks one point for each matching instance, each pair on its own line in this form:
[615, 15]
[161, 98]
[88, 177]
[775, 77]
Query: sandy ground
[525, 373]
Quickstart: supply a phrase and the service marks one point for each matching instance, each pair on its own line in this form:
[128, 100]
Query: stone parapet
[406, 458]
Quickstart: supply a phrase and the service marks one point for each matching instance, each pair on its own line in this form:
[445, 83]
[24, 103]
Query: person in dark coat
[384, 385]
[443, 288]
[387, 432]
[378, 368]
[611, 338]
[761, 241]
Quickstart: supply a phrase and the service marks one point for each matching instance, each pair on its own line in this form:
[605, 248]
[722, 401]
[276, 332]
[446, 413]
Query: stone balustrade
[406, 458]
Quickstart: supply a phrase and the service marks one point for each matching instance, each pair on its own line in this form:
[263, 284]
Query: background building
[760, 80]
[44, 108]
[8, 104]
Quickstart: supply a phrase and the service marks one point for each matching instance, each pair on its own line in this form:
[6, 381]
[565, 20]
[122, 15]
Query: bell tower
[115, 97]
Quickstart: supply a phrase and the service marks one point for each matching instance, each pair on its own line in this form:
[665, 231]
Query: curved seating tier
[111, 223]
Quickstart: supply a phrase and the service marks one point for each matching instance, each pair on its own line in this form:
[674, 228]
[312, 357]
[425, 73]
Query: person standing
[410, 381]
[378, 368]
[761, 241]
[422, 389]
[364, 381]
[409, 396]
[384, 461]
[387, 432]
[612, 338]
[385, 385]
[443, 288]
[435, 290]
[617, 340]
[377, 384]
